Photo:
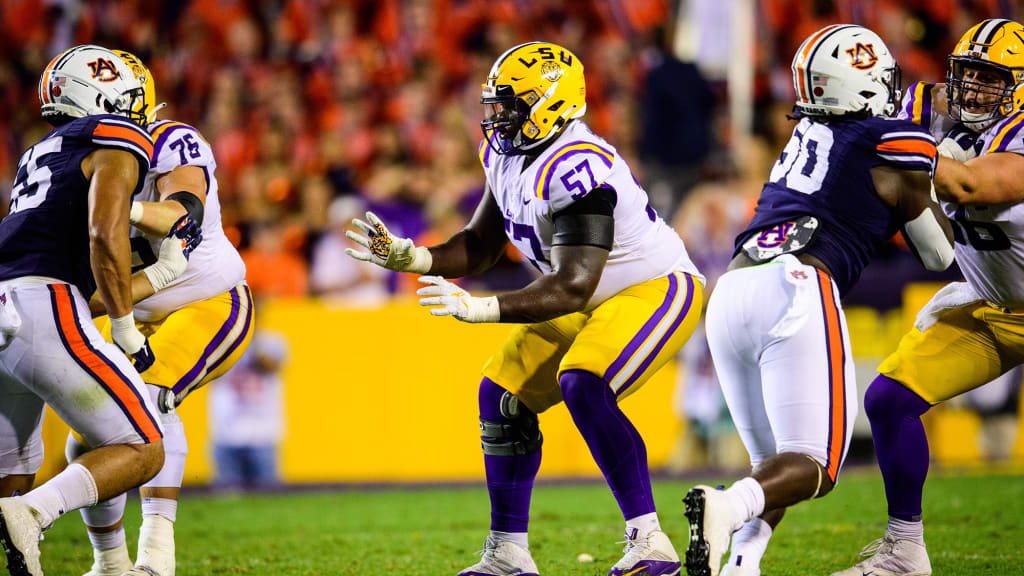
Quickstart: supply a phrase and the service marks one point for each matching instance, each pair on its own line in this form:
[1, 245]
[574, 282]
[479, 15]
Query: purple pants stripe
[218, 339]
[644, 332]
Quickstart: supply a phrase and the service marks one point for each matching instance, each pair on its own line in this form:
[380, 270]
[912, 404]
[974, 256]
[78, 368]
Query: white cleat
[156, 548]
[113, 562]
[502, 558]
[711, 526]
[20, 533]
[889, 556]
[650, 556]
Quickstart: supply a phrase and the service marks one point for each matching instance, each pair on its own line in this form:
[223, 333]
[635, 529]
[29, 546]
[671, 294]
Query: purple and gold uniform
[51, 351]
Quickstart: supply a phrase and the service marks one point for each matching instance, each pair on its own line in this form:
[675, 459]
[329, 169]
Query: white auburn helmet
[844, 68]
[87, 80]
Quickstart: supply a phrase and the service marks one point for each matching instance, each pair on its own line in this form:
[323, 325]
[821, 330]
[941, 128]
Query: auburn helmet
[87, 80]
[845, 69]
[147, 107]
[995, 46]
[532, 91]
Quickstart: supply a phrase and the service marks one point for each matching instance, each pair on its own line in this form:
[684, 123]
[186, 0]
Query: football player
[198, 326]
[850, 178]
[973, 331]
[617, 299]
[65, 238]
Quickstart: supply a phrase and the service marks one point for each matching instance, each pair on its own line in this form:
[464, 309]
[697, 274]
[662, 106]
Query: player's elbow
[575, 294]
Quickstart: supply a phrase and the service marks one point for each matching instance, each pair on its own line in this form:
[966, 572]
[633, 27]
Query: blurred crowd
[318, 110]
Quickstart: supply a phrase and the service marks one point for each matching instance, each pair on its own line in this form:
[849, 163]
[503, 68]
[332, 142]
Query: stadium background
[319, 109]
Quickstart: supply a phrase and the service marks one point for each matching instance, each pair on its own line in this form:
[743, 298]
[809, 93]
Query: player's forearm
[547, 297]
[464, 254]
[111, 267]
[157, 218]
[956, 182]
[141, 289]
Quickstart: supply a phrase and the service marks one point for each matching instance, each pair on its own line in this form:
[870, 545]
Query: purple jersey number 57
[570, 181]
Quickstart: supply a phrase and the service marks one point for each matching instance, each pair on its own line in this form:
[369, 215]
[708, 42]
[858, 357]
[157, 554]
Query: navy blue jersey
[825, 172]
[46, 232]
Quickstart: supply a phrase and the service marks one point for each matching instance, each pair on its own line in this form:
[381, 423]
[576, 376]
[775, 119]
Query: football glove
[960, 144]
[184, 237]
[457, 302]
[128, 338]
[387, 250]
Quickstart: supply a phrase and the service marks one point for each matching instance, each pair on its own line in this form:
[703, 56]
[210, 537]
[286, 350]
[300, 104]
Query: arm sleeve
[115, 132]
[906, 146]
[177, 144]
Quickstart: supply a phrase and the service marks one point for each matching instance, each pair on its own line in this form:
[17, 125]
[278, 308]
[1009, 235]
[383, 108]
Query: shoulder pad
[109, 131]
[1006, 136]
[178, 144]
[571, 171]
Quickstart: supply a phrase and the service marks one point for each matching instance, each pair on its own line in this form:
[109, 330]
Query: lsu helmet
[994, 45]
[147, 107]
[845, 69]
[532, 91]
[87, 80]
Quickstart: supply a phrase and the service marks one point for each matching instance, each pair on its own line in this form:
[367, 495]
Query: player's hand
[183, 238]
[132, 342]
[455, 301]
[959, 144]
[385, 249]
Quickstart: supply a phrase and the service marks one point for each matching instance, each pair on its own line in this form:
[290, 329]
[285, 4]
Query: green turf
[972, 526]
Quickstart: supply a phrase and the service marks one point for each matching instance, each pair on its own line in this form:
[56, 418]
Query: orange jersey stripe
[908, 145]
[836, 378]
[112, 131]
[112, 381]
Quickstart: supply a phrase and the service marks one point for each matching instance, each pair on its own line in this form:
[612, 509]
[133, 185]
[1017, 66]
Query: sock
[108, 540]
[156, 545]
[72, 489]
[614, 442]
[509, 478]
[112, 560]
[900, 444]
[641, 526]
[747, 498]
[165, 507]
[749, 544]
[105, 513]
[906, 530]
[520, 538]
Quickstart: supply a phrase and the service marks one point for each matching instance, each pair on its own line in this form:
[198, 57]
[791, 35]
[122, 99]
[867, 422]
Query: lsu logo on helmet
[985, 75]
[147, 107]
[532, 91]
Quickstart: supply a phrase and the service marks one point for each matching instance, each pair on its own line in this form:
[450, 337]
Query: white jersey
[215, 266]
[989, 239]
[576, 162]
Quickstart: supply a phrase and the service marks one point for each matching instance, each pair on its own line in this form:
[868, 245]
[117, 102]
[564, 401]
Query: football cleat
[112, 562]
[502, 558]
[734, 570]
[889, 556]
[709, 514]
[650, 556]
[19, 535]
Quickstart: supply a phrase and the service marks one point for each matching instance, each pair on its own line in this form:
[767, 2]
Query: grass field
[972, 526]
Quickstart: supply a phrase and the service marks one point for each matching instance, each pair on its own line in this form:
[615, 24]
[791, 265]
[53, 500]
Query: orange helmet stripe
[801, 62]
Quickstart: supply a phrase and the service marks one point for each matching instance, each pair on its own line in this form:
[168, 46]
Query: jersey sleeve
[906, 146]
[177, 144]
[572, 171]
[1008, 135]
[116, 132]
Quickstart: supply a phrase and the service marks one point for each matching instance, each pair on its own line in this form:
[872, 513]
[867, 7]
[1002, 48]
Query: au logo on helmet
[104, 70]
[862, 56]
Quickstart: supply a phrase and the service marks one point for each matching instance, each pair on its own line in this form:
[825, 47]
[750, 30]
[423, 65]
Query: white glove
[959, 144]
[386, 250]
[169, 265]
[456, 301]
[128, 338]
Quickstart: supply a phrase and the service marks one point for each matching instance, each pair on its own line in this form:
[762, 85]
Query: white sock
[644, 525]
[749, 544]
[113, 560]
[906, 530]
[72, 489]
[106, 513]
[747, 498]
[107, 540]
[520, 538]
[156, 545]
[165, 507]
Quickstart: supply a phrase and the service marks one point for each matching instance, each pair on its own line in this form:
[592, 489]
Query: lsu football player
[973, 331]
[617, 299]
[66, 238]
[198, 326]
[850, 178]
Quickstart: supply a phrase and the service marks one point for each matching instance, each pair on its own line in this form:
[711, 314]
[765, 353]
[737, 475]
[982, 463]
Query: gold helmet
[147, 107]
[532, 91]
[995, 46]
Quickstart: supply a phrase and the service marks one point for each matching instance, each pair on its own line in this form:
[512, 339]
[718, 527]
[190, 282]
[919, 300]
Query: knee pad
[175, 451]
[887, 399]
[507, 427]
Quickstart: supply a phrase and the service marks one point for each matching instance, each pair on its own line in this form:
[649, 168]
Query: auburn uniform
[200, 324]
[777, 332]
[51, 352]
[648, 300]
[948, 358]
